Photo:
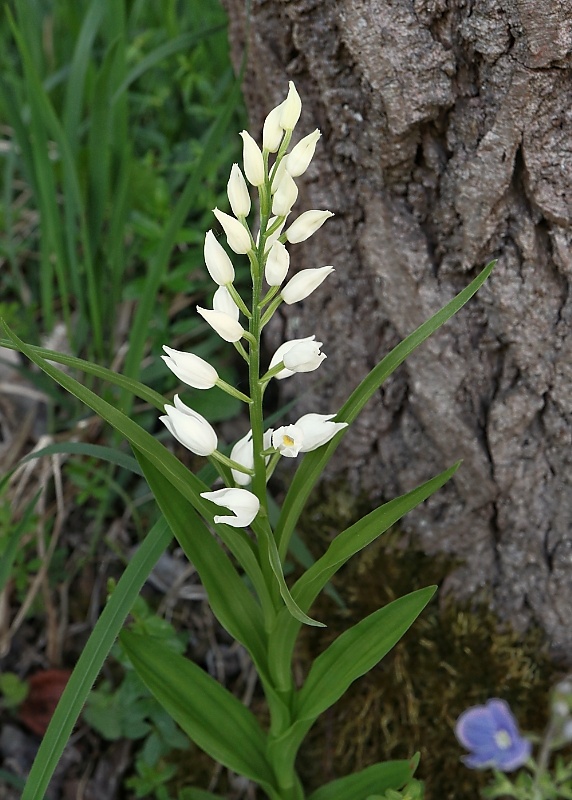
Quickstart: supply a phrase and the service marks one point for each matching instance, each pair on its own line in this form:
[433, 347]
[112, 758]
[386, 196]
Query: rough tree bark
[447, 140]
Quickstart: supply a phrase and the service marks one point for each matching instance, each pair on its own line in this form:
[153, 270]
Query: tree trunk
[447, 141]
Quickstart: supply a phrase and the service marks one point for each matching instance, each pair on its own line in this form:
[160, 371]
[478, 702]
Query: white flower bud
[243, 455]
[277, 264]
[237, 235]
[291, 109]
[190, 369]
[218, 263]
[222, 301]
[189, 428]
[227, 328]
[241, 502]
[272, 132]
[288, 440]
[304, 283]
[237, 192]
[303, 355]
[285, 196]
[317, 430]
[253, 161]
[298, 161]
[306, 224]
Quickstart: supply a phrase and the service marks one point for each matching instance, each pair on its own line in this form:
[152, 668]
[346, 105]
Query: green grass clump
[119, 123]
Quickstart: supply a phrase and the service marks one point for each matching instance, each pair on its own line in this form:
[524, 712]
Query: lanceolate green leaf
[349, 657]
[343, 547]
[229, 598]
[314, 463]
[356, 651]
[209, 714]
[92, 658]
[378, 778]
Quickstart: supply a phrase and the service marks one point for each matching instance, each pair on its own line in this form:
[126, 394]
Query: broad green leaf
[356, 651]
[208, 713]
[343, 547]
[91, 660]
[314, 463]
[349, 657]
[377, 778]
[230, 600]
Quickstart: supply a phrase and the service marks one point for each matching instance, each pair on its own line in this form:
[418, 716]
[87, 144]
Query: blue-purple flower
[491, 734]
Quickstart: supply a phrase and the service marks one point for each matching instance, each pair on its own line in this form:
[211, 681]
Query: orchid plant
[242, 567]
[490, 733]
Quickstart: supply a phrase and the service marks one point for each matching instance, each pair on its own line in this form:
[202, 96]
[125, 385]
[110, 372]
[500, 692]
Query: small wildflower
[491, 733]
[252, 159]
[277, 264]
[227, 328]
[291, 109]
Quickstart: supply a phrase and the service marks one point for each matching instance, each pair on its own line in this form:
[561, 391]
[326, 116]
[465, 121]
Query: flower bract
[491, 734]
[241, 502]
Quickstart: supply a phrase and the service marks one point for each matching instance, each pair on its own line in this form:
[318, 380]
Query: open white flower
[227, 328]
[190, 369]
[241, 502]
[298, 355]
[304, 283]
[288, 440]
[238, 194]
[317, 429]
[189, 428]
[298, 161]
[237, 236]
[218, 263]
[308, 433]
[306, 224]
